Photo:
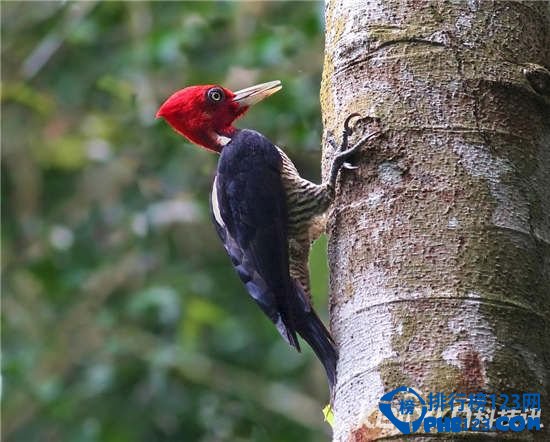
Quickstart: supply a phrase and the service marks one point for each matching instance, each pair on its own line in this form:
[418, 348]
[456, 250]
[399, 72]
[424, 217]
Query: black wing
[250, 215]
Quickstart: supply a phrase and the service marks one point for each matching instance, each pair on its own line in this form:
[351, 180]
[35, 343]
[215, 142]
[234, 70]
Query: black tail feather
[313, 331]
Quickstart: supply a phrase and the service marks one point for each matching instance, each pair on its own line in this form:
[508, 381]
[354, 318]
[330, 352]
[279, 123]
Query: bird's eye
[215, 95]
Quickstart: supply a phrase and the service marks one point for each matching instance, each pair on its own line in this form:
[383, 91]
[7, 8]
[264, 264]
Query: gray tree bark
[439, 244]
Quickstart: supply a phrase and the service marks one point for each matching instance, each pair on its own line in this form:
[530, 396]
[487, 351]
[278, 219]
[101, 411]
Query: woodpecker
[264, 212]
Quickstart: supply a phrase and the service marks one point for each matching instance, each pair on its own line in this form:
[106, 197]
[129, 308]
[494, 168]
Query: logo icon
[406, 402]
[455, 412]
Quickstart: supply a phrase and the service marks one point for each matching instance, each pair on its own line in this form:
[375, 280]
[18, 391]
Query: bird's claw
[344, 152]
[345, 135]
[343, 156]
[348, 130]
[332, 143]
[349, 166]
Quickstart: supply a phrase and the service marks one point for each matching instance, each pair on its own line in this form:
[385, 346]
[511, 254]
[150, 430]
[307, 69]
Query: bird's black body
[249, 205]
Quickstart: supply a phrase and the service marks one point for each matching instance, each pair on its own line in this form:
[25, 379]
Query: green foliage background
[122, 318]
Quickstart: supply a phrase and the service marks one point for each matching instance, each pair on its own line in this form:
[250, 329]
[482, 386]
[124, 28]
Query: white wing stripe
[215, 205]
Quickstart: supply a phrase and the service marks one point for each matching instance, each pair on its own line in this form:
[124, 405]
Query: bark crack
[384, 45]
[496, 302]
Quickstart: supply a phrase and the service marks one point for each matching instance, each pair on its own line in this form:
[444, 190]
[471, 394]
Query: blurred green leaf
[25, 95]
[66, 152]
[119, 88]
[163, 302]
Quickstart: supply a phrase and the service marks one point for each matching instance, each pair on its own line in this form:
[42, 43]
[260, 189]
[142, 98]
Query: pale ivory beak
[253, 94]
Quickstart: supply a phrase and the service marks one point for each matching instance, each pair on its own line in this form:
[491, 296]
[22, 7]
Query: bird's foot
[344, 151]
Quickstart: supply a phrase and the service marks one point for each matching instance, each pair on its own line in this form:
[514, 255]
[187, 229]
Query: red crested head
[205, 114]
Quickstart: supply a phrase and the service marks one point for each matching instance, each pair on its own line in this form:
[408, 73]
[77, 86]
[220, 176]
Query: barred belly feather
[307, 202]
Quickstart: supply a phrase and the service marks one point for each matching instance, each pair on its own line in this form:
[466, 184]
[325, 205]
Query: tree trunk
[439, 248]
